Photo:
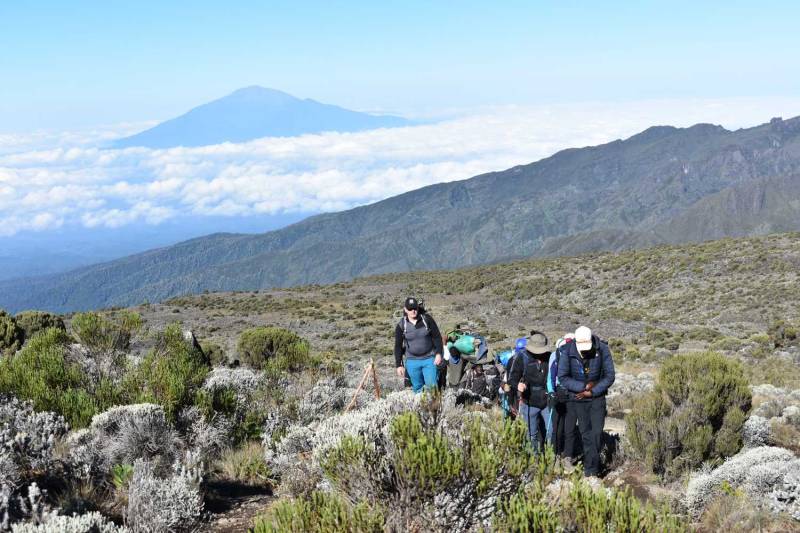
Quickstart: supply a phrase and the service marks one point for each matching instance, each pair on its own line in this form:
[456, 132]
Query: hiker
[417, 338]
[586, 370]
[528, 376]
[557, 396]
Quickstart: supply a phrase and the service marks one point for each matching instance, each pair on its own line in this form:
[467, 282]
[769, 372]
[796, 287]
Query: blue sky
[76, 64]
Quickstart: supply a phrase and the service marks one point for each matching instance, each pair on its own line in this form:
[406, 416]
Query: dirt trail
[234, 507]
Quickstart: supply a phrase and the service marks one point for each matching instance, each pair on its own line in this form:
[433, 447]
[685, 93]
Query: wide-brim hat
[537, 344]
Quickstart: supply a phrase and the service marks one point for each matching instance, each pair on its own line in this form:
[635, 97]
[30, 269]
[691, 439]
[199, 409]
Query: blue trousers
[422, 373]
[531, 417]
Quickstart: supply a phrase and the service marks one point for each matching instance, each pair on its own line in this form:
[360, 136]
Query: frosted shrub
[326, 397]
[52, 522]
[371, 422]
[756, 471]
[28, 438]
[243, 380]
[785, 497]
[207, 437]
[126, 433]
[164, 505]
[756, 432]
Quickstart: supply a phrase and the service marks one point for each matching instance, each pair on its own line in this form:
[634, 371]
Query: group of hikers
[554, 389]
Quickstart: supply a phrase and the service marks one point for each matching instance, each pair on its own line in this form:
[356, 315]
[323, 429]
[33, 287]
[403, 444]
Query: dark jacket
[535, 374]
[571, 372]
[433, 347]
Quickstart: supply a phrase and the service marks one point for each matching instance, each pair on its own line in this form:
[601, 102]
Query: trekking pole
[358, 389]
[375, 380]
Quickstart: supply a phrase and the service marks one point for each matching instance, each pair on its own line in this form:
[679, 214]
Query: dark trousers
[558, 419]
[591, 417]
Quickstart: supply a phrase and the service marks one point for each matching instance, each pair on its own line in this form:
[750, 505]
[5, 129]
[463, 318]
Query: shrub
[694, 414]
[762, 473]
[28, 438]
[281, 348]
[32, 322]
[11, 335]
[320, 513]
[245, 465]
[41, 374]
[52, 522]
[171, 374]
[216, 355]
[102, 334]
[123, 434]
[157, 505]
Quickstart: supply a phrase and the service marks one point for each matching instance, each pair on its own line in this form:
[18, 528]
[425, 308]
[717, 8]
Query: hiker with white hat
[586, 370]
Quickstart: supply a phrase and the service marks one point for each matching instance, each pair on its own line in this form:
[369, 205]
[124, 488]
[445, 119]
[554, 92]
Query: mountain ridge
[625, 194]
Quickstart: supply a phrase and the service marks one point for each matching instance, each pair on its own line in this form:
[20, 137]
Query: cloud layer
[54, 179]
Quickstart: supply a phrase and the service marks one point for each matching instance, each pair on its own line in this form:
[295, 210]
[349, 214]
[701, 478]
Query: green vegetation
[102, 334]
[41, 373]
[273, 349]
[695, 414]
[11, 335]
[33, 322]
[320, 513]
[245, 465]
[171, 374]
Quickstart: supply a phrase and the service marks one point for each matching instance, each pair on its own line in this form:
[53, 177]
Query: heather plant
[32, 322]
[11, 335]
[101, 334]
[277, 348]
[695, 413]
[171, 374]
[41, 373]
[320, 513]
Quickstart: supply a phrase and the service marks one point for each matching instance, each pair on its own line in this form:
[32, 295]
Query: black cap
[411, 303]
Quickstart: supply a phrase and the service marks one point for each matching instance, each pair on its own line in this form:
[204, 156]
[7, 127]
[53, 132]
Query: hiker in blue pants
[417, 338]
[528, 376]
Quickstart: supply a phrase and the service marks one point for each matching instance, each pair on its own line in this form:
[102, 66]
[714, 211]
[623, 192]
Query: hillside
[251, 113]
[664, 185]
[271, 432]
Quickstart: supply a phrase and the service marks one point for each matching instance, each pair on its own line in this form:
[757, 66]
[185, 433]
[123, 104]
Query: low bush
[766, 475]
[32, 322]
[171, 374]
[694, 414]
[161, 505]
[322, 512]
[245, 465]
[101, 334]
[11, 335]
[40, 373]
[280, 348]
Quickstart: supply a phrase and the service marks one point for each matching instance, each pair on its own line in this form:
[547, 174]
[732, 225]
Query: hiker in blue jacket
[586, 370]
[417, 338]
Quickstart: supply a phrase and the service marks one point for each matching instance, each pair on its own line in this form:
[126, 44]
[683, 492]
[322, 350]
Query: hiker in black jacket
[528, 376]
[417, 338]
[586, 370]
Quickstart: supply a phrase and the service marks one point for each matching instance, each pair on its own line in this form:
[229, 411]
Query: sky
[67, 65]
[492, 85]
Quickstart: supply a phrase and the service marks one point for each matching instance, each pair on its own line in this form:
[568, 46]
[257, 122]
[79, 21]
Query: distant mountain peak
[251, 113]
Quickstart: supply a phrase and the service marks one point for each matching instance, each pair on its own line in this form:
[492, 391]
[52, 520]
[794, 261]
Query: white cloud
[66, 178]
